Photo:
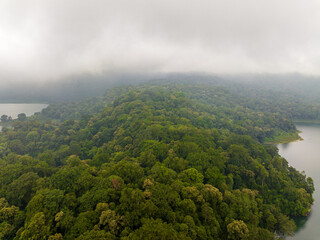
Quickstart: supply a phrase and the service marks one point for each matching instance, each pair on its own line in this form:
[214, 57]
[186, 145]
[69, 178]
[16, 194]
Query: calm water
[13, 109]
[305, 156]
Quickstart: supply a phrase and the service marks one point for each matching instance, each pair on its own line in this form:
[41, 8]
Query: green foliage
[237, 230]
[158, 162]
[191, 176]
[155, 229]
[36, 228]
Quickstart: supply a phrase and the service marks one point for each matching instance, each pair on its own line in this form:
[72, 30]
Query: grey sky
[50, 39]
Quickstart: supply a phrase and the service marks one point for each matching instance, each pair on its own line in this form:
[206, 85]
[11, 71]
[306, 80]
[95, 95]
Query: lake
[305, 156]
[13, 109]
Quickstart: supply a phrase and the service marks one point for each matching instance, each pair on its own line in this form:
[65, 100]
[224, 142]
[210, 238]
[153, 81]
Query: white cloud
[50, 39]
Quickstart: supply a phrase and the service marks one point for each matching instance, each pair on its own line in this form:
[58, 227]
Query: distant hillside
[297, 88]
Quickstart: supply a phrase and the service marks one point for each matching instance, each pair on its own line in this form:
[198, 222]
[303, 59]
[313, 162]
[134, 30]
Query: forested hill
[240, 107]
[158, 162]
[296, 103]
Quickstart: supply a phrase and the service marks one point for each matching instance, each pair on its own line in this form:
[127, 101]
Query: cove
[13, 109]
[305, 156]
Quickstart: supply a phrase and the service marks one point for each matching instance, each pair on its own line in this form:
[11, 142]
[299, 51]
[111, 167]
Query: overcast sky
[51, 39]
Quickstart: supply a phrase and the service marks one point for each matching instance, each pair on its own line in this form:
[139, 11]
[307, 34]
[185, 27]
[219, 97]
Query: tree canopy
[157, 162]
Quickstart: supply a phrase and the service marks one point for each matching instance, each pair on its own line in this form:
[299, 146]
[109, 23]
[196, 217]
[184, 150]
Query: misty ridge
[305, 87]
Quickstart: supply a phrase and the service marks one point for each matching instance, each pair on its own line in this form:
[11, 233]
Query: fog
[54, 39]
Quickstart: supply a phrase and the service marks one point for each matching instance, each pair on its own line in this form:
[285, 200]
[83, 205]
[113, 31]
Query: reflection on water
[305, 156]
[301, 222]
[285, 145]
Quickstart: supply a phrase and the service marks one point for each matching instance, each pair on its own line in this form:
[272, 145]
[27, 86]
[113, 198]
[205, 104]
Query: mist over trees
[302, 88]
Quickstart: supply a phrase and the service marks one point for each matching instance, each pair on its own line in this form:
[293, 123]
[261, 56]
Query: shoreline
[24, 103]
[292, 137]
[286, 138]
[307, 121]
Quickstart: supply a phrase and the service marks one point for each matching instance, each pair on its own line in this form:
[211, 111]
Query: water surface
[13, 109]
[305, 156]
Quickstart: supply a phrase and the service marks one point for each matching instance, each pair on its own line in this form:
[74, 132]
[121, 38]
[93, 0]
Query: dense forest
[154, 161]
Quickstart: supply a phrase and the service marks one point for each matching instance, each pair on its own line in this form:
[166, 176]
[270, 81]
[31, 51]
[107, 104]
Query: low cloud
[49, 40]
